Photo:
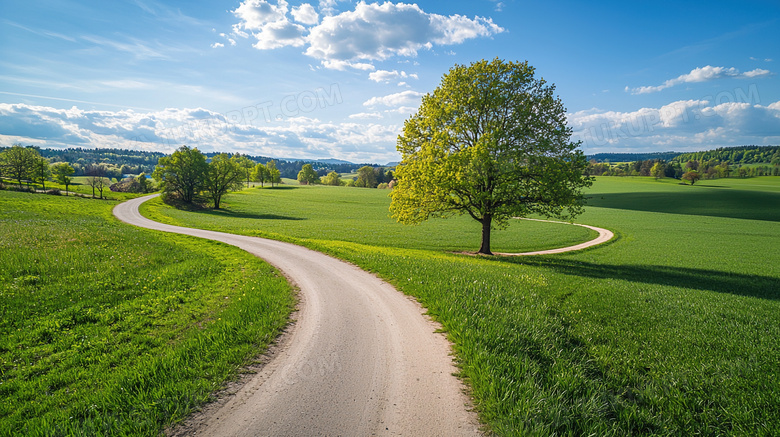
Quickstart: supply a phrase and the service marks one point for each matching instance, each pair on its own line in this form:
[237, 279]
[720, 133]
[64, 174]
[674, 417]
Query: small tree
[366, 177]
[224, 174]
[247, 168]
[658, 170]
[183, 173]
[308, 176]
[332, 178]
[62, 172]
[260, 174]
[97, 179]
[274, 175]
[692, 176]
[491, 142]
[40, 171]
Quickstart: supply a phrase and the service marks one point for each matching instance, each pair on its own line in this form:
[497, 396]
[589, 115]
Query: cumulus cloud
[166, 130]
[354, 39]
[679, 125]
[397, 99]
[305, 14]
[217, 45]
[366, 115]
[702, 74]
[387, 76]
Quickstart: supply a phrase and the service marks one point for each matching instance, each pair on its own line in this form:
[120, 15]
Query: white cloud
[354, 39]
[168, 129]
[217, 45]
[366, 115]
[255, 14]
[397, 99]
[387, 76]
[305, 14]
[280, 34]
[379, 31]
[702, 74]
[680, 125]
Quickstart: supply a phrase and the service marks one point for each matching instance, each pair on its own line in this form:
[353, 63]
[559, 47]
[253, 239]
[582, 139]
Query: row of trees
[186, 174]
[367, 177]
[709, 169]
[26, 165]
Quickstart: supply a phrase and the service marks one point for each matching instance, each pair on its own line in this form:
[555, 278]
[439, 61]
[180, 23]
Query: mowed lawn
[671, 329]
[108, 329]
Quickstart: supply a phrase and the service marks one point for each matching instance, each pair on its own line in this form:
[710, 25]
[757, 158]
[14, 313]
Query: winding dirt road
[361, 360]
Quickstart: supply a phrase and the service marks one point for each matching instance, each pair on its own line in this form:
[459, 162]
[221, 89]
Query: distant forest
[734, 155]
[742, 161]
[138, 161]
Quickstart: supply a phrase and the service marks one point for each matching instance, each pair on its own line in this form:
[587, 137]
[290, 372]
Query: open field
[108, 329]
[670, 329]
[357, 215]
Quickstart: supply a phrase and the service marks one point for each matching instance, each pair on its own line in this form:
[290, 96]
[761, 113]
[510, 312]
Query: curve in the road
[604, 236]
[362, 359]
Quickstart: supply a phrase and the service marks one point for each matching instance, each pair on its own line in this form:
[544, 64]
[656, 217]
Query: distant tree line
[367, 177]
[718, 163]
[735, 155]
[26, 166]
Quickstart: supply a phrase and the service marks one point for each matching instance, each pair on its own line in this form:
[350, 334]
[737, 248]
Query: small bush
[54, 192]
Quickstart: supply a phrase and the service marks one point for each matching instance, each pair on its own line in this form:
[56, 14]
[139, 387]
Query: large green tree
[19, 162]
[332, 178]
[224, 174]
[182, 174]
[492, 142]
[260, 174]
[307, 175]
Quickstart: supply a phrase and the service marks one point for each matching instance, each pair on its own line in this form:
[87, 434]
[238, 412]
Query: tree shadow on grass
[763, 287]
[732, 203]
[226, 213]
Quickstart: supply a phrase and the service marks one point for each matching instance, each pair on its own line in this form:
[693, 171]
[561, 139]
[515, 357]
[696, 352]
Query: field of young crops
[673, 328]
[111, 329]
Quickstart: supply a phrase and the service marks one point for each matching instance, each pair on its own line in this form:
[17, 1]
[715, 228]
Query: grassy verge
[671, 329]
[108, 329]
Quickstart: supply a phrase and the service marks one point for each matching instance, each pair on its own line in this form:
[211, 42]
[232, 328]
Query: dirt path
[604, 236]
[361, 358]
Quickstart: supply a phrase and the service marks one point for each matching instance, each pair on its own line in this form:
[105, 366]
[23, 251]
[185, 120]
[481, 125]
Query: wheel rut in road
[361, 359]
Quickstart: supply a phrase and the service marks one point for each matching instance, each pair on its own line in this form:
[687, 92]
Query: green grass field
[671, 329]
[108, 329]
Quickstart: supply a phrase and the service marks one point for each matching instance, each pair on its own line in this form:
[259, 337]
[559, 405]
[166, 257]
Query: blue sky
[336, 79]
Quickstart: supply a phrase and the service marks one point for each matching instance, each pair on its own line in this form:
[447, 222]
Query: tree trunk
[487, 220]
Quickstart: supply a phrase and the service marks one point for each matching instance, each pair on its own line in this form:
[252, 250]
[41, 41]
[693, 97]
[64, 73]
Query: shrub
[54, 192]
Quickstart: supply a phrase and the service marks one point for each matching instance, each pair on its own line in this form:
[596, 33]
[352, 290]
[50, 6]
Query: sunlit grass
[108, 329]
[671, 329]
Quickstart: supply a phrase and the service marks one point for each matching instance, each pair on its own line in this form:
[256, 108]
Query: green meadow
[672, 328]
[108, 329]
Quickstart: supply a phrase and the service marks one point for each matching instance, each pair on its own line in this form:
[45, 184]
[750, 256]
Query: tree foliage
[366, 177]
[307, 175]
[333, 179]
[183, 173]
[61, 172]
[691, 176]
[492, 142]
[274, 175]
[20, 163]
[223, 174]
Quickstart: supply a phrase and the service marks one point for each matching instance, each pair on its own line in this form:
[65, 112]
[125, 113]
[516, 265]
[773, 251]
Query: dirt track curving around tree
[604, 236]
[361, 358]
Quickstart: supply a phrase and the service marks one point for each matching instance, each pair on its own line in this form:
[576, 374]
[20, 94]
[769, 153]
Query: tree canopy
[223, 174]
[307, 175]
[492, 142]
[182, 173]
